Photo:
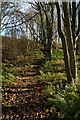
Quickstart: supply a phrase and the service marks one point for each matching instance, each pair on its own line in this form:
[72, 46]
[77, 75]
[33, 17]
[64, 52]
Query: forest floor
[25, 98]
[34, 88]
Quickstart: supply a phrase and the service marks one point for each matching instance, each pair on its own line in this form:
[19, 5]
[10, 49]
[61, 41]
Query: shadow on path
[25, 99]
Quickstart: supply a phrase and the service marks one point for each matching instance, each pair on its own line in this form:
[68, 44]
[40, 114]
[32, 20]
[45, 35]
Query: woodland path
[25, 99]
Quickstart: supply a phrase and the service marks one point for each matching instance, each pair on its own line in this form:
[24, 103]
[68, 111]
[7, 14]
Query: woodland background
[40, 60]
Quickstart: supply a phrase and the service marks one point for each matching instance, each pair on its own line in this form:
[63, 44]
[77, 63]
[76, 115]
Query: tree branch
[21, 22]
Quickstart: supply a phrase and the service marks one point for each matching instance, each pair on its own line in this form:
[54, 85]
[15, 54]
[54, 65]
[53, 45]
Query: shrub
[66, 102]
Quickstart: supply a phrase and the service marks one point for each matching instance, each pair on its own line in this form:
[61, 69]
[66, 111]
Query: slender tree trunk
[49, 30]
[69, 38]
[73, 26]
[64, 44]
[49, 43]
[43, 31]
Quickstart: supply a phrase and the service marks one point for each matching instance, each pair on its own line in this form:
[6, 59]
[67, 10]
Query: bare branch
[22, 22]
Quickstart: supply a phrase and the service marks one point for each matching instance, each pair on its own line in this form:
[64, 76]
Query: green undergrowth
[63, 100]
[9, 72]
[54, 71]
[65, 103]
[12, 68]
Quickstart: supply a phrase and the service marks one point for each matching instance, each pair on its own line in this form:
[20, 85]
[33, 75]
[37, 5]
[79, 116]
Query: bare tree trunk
[69, 38]
[49, 30]
[64, 44]
[43, 31]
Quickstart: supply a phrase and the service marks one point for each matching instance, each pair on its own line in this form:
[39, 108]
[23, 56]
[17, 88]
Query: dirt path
[25, 99]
